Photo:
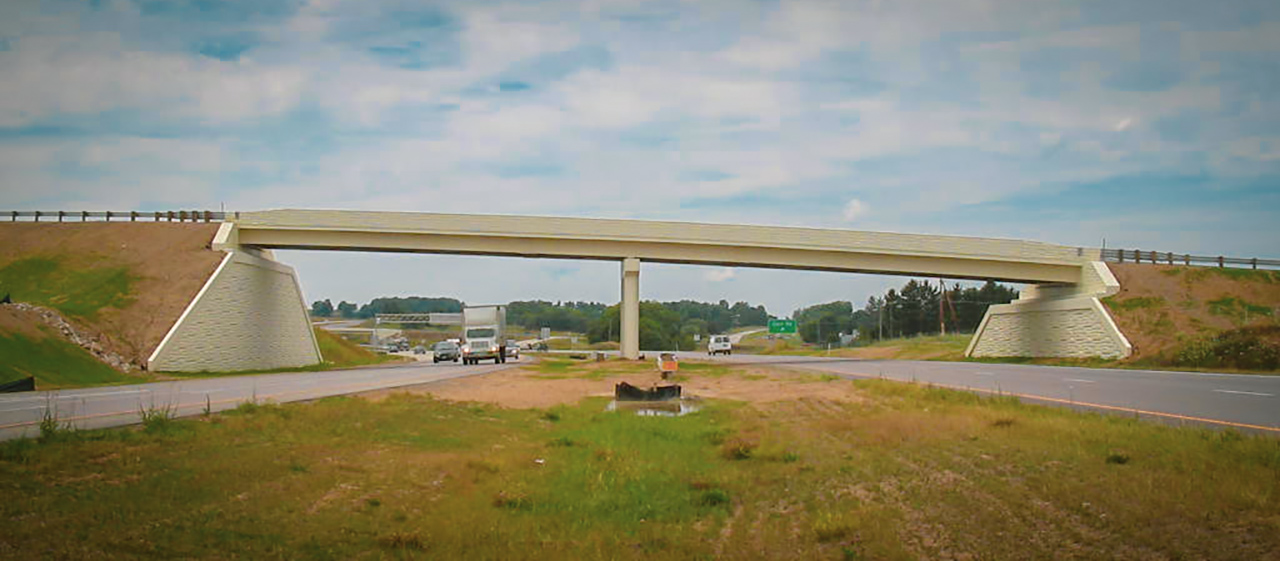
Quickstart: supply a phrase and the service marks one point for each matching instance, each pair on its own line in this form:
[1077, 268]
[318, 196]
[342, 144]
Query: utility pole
[942, 298]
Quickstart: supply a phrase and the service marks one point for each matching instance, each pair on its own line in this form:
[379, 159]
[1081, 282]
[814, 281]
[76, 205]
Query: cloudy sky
[1152, 124]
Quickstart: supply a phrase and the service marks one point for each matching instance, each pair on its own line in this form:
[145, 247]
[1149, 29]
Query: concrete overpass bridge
[1060, 316]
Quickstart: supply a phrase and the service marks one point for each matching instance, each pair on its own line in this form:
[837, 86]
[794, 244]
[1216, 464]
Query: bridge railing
[1170, 258]
[109, 215]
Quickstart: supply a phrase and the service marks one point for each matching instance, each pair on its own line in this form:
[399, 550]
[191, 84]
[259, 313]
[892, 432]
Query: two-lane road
[1249, 401]
[1246, 401]
[109, 406]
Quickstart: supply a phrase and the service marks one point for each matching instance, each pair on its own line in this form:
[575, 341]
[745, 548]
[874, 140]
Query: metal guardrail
[108, 215]
[1170, 258]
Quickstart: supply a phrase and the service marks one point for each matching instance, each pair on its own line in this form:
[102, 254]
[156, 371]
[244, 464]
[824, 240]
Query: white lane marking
[22, 409]
[1246, 393]
[1081, 380]
[984, 373]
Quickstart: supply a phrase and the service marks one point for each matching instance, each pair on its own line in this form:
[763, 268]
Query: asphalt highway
[1250, 402]
[109, 406]
[1241, 400]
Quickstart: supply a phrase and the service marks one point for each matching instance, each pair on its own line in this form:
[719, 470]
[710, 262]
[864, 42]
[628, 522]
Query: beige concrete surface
[1059, 317]
[1056, 321]
[629, 311]
[667, 242]
[250, 315]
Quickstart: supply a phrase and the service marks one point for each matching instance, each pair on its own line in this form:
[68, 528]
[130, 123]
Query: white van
[719, 344]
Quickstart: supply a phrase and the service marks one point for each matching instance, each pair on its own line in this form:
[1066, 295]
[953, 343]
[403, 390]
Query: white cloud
[1123, 124]
[855, 209]
[94, 72]
[719, 275]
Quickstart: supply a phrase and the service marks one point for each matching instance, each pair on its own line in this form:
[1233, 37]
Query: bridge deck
[671, 242]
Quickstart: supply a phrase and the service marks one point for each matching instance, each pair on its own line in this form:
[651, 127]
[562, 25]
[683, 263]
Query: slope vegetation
[122, 285]
[1187, 315]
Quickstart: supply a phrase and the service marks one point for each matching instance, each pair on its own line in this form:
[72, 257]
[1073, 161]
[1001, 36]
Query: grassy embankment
[925, 347]
[1199, 318]
[336, 352]
[892, 471]
[78, 292]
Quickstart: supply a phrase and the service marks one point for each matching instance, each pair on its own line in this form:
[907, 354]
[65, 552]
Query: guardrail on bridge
[108, 215]
[1170, 258]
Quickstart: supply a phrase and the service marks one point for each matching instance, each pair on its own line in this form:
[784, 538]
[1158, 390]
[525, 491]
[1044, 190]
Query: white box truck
[484, 334]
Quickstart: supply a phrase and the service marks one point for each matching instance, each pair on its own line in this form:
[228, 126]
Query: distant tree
[410, 305]
[823, 323]
[322, 308]
[347, 310]
[660, 328]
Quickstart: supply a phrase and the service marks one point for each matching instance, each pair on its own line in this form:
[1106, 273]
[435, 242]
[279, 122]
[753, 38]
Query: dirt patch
[526, 388]
[172, 262]
[22, 322]
[1160, 308]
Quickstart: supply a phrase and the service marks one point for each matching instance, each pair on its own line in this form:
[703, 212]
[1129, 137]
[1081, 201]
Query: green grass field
[55, 363]
[341, 353]
[900, 472]
[79, 291]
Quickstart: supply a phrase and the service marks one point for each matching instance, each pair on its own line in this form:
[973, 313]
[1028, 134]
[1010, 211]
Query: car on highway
[445, 350]
[719, 344]
[513, 349]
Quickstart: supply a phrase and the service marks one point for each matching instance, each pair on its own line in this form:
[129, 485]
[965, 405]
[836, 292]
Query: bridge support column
[1055, 321]
[630, 309]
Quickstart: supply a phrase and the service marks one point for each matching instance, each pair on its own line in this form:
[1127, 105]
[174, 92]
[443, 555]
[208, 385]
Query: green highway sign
[782, 326]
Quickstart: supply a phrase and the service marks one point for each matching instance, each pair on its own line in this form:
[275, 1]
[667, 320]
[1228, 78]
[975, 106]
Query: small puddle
[670, 408]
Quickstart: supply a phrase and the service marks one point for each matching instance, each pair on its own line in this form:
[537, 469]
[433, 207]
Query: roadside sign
[782, 326]
[546, 333]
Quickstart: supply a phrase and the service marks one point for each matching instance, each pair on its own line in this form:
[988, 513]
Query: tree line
[664, 325]
[391, 305]
[918, 308]
[674, 325]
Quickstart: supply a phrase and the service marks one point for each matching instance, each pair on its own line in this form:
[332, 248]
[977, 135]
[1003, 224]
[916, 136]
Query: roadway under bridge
[1060, 316]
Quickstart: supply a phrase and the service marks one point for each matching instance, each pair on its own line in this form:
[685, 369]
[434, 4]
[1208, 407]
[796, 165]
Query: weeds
[562, 441]
[51, 429]
[512, 501]
[714, 498]
[403, 540]
[738, 449]
[157, 419]
[828, 526]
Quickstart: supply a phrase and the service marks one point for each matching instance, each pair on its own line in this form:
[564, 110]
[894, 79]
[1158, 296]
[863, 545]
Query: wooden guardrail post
[133, 216]
[1121, 252]
[1186, 259]
[60, 215]
[1220, 265]
[108, 216]
[1255, 263]
[84, 216]
[1170, 257]
[37, 216]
